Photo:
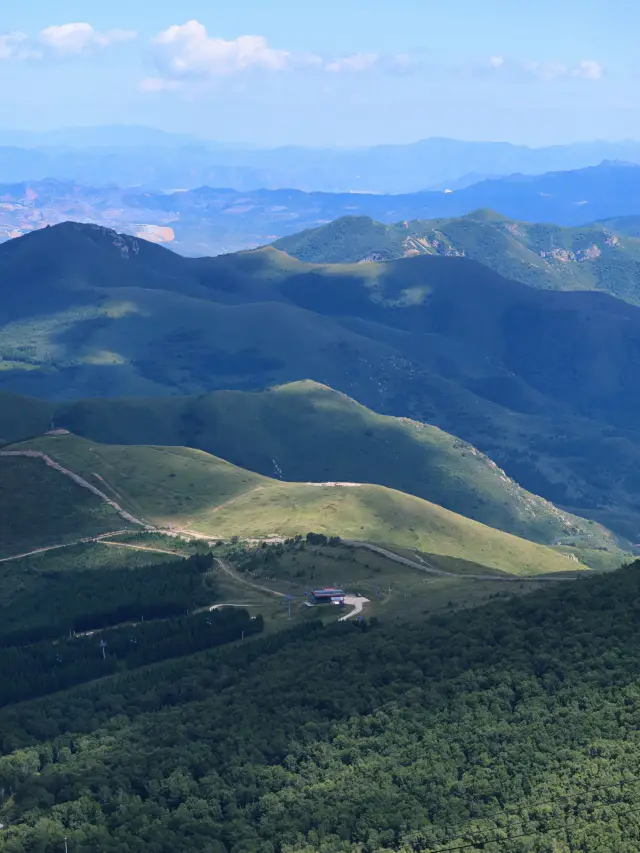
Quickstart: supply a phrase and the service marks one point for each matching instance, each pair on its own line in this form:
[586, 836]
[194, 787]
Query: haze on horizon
[354, 74]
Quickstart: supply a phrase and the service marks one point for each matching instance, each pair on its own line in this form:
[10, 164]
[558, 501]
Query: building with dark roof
[328, 596]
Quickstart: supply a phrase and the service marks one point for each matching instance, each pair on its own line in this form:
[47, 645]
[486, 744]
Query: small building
[328, 596]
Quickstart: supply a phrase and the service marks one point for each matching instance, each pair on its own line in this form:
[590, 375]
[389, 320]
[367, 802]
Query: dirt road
[176, 554]
[84, 541]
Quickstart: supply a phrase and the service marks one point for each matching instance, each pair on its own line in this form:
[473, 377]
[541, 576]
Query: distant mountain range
[209, 221]
[543, 382]
[142, 156]
[591, 257]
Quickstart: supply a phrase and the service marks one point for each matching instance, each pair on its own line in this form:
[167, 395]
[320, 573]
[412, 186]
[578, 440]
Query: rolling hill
[189, 489]
[598, 256]
[543, 382]
[308, 432]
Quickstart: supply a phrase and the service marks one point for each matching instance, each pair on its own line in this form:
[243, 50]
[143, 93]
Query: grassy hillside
[599, 256]
[192, 490]
[542, 382]
[306, 431]
[23, 417]
[39, 507]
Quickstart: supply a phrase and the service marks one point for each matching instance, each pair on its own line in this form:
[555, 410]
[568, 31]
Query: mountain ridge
[305, 432]
[592, 257]
[540, 381]
[179, 488]
[137, 155]
[209, 220]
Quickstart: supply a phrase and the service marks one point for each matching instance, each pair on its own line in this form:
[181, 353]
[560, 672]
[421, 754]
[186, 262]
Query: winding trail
[425, 566]
[142, 548]
[420, 564]
[44, 550]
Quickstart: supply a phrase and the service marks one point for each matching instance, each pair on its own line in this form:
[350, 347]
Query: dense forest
[82, 600]
[512, 727]
[70, 627]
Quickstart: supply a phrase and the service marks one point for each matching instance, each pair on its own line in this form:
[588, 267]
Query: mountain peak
[78, 239]
[125, 245]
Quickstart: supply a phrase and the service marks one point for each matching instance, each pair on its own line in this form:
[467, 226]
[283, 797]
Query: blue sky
[344, 72]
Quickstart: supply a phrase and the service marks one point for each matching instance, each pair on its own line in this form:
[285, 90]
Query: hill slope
[541, 381]
[191, 489]
[308, 432]
[590, 257]
[39, 508]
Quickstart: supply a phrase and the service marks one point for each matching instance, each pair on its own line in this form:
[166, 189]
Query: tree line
[85, 599]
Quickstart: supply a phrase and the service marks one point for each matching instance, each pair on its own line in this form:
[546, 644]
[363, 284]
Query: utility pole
[66, 847]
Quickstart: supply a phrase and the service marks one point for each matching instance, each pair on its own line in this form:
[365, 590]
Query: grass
[192, 490]
[39, 507]
[305, 431]
[22, 417]
[393, 589]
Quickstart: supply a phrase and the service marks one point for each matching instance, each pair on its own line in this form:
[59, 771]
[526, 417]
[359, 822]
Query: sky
[335, 72]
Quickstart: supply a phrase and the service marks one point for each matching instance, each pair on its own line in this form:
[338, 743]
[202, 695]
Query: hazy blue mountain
[145, 156]
[117, 135]
[209, 220]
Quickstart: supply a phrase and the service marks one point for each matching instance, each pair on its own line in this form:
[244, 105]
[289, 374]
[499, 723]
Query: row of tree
[41, 668]
[85, 599]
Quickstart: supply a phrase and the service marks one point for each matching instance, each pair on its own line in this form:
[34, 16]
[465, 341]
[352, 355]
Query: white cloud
[185, 50]
[158, 84]
[81, 37]
[546, 70]
[357, 63]
[586, 69]
[13, 46]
